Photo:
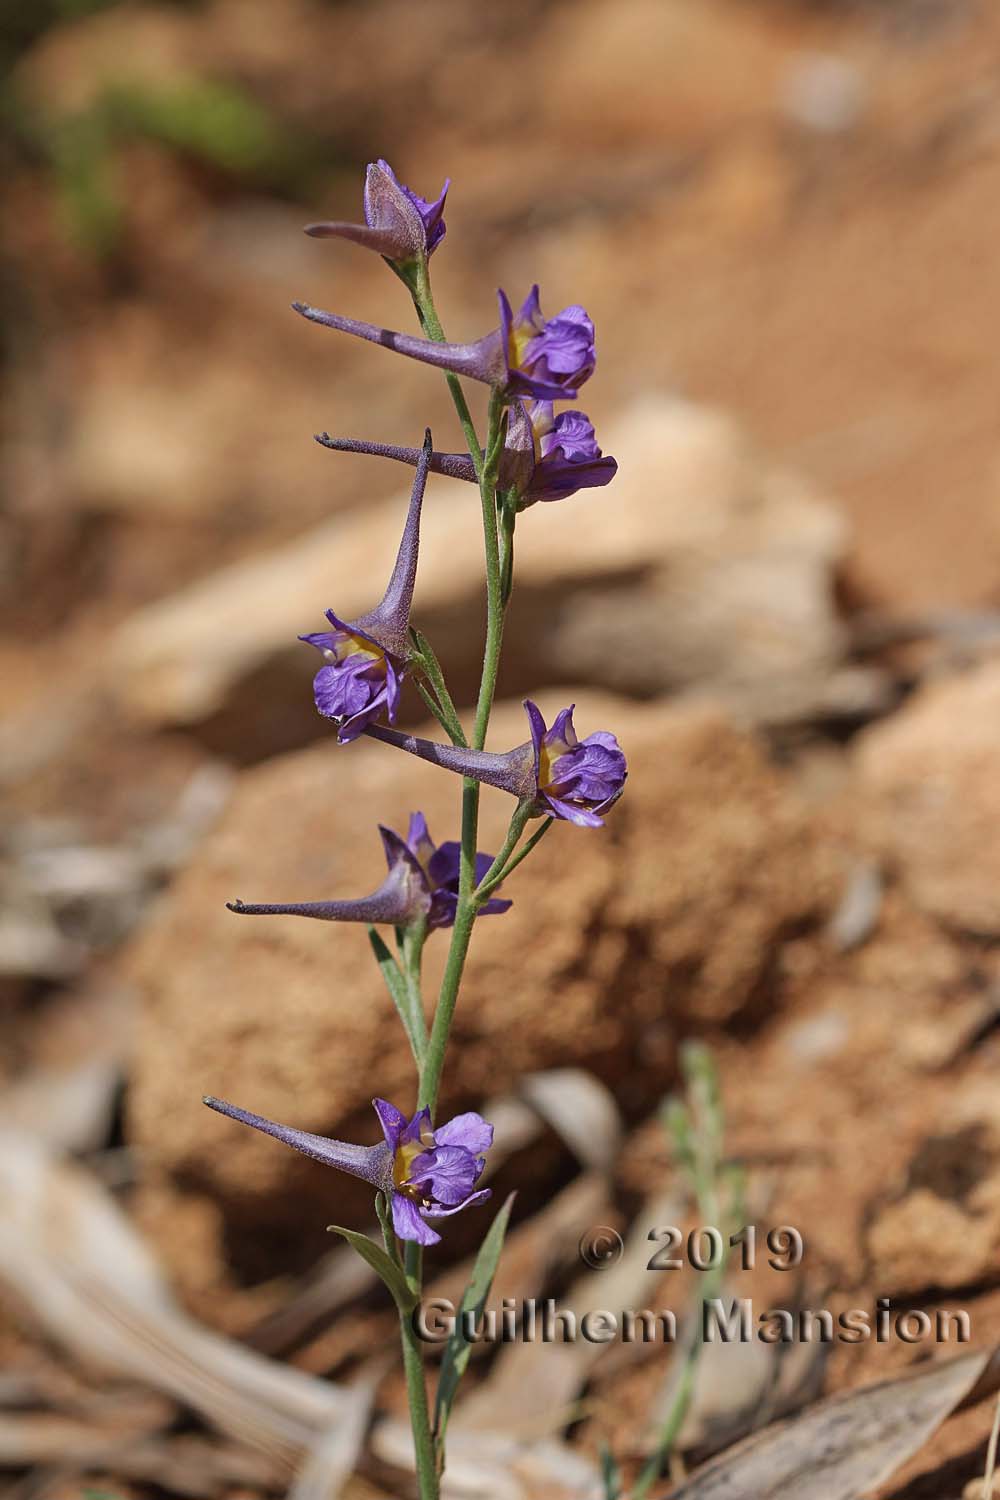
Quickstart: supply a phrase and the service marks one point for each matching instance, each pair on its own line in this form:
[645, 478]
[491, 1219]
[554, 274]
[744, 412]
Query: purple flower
[440, 867]
[546, 457]
[525, 356]
[425, 1173]
[366, 659]
[576, 779]
[422, 882]
[546, 359]
[560, 775]
[399, 224]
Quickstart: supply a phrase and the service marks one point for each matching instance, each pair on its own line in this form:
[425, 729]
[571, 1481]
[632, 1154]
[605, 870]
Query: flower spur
[425, 1173]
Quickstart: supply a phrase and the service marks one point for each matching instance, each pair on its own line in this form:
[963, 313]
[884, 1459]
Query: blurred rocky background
[781, 217]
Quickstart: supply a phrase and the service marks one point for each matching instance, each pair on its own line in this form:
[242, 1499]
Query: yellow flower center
[547, 757]
[517, 343]
[347, 644]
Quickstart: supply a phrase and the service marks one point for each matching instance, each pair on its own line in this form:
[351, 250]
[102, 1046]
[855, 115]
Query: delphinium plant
[424, 1170]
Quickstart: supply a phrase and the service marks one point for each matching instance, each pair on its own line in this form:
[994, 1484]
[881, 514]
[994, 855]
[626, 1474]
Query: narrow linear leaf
[446, 712]
[458, 1349]
[404, 1298]
[396, 985]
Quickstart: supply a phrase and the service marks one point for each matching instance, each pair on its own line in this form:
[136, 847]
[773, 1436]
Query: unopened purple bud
[399, 224]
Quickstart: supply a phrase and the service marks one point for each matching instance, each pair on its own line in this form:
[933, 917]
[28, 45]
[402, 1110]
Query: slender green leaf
[390, 1272]
[457, 1349]
[446, 713]
[395, 983]
[388, 1233]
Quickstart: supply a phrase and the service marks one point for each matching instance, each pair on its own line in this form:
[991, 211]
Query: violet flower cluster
[533, 451]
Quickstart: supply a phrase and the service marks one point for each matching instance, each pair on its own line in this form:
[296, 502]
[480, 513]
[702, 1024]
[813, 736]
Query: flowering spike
[528, 355]
[546, 457]
[399, 224]
[422, 883]
[366, 659]
[426, 1174]
[561, 775]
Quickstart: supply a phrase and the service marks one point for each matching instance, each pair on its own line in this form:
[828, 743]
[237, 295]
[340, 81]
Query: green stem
[495, 873]
[489, 882]
[423, 301]
[487, 466]
[416, 1388]
[465, 914]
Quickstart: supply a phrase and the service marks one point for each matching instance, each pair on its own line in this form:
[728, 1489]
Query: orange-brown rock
[931, 772]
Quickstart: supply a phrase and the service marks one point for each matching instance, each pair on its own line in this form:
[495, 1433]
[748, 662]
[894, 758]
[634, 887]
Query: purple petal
[393, 690]
[421, 1121]
[573, 432]
[506, 324]
[537, 725]
[562, 731]
[445, 863]
[451, 1172]
[556, 478]
[350, 628]
[408, 1224]
[469, 1130]
[530, 310]
[421, 844]
[392, 1121]
[444, 909]
[571, 813]
[323, 640]
[351, 693]
[473, 1198]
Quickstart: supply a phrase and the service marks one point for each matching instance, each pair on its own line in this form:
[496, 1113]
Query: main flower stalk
[424, 1171]
[487, 464]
